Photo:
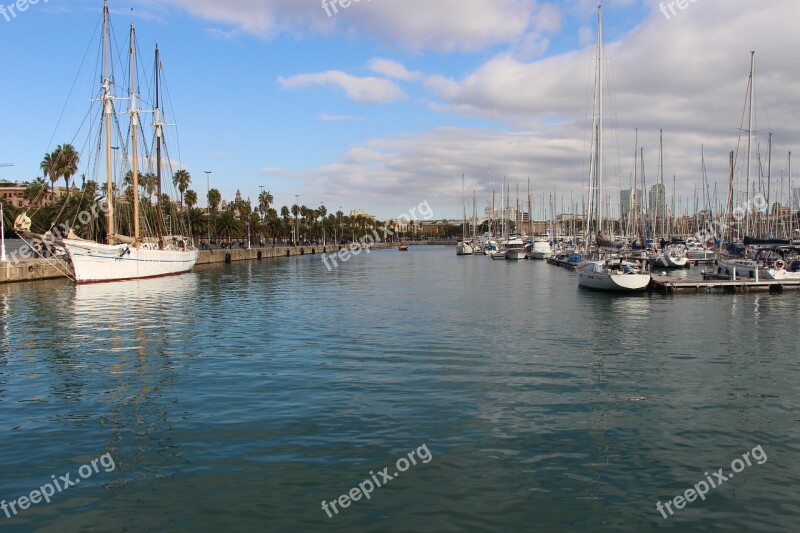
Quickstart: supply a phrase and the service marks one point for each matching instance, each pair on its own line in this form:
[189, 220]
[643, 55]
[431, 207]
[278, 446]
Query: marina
[283, 268]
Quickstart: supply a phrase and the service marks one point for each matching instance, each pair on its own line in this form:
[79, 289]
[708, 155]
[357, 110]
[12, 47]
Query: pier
[669, 285]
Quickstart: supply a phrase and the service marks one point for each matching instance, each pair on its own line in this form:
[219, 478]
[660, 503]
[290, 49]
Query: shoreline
[30, 270]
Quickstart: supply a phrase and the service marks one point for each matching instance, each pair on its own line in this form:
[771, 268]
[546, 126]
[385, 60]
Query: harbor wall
[42, 269]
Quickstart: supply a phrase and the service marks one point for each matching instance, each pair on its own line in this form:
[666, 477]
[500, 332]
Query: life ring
[779, 265]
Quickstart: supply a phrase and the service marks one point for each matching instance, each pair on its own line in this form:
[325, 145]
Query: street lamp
[296, 219]
[248, 233]
[2, 237]
[323, 226]
[208, 189]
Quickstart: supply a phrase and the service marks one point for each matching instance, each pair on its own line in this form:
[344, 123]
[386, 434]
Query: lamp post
[296, 219]
[323, 226]
[2, 237]
[208, 189]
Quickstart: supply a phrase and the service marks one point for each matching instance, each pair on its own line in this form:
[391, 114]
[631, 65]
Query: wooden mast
[134, 140]
[107, 110]
[159, 127]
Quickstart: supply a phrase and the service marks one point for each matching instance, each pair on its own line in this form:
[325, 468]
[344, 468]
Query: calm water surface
[240, 396]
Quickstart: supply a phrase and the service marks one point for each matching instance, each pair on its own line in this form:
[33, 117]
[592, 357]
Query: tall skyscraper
[658, 202]
[628, 204]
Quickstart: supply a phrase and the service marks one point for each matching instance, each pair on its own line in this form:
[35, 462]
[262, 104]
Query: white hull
[541, 250]
[604, 281]
[515, 255]
[464, 249]
[746, 269]
[667, 261]
[94, 263]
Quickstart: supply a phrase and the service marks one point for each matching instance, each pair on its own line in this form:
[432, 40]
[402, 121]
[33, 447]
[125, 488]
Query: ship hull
[101, 263]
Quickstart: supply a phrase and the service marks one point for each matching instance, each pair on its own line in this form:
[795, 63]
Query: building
[658, 202]
[362, 213]
[628, 204]
[13, 192]
[796, 199]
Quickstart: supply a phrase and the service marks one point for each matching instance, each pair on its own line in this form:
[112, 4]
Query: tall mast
[159, 127]
[107, 110]
[134, 111]
[600, 115]
[750, 134]
[769, 186]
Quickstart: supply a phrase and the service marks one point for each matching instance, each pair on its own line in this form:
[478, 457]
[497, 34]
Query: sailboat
[463, 247]
[124, 257]
[605, 273]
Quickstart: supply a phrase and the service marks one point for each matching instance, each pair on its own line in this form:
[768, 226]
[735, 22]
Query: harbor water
[241, 397]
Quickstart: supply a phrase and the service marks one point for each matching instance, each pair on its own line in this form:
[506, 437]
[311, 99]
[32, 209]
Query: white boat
[672, 256]
[696, 251]
[464, 248]
[604, 274]
[137, 257]
[514, 249]
[541, 249]
[94, 262]
[612, 275]
[773, 263]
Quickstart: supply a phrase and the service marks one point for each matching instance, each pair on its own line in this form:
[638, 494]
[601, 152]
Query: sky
[384, 104]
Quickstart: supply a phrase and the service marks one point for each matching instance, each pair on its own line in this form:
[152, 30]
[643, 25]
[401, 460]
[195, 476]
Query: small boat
[514, 249]
[541, 249]
[403, 247]
[672, 256]
[464, 248]
[612, 275]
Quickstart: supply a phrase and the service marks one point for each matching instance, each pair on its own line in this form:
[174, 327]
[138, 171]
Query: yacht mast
[134, 111]
[159, 127]
[751, 119]
[108, 109]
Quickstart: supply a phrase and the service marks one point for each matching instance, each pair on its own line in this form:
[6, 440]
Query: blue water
[239, 397]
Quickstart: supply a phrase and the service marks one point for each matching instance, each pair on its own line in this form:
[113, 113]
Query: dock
[670, 285]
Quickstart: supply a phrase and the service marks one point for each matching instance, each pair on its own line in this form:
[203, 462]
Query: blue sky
[386, 104]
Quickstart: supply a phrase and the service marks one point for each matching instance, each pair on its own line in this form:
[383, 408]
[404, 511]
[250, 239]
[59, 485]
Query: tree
[34, 191]
[228, 225]
[214, 199]
[198, 221]
[191, 199]
[49, 166]
[68, 160]
[182, 179]
[265, 199]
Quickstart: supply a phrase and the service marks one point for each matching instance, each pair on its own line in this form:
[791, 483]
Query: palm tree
[198, 221]
[68, 160]
[34, 191]
[214, 199]
[182, 179]
[228, 225]
[49, 166]
[265, 199]
[191, 199]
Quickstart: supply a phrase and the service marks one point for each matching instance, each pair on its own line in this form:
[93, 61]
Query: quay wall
[43, 269]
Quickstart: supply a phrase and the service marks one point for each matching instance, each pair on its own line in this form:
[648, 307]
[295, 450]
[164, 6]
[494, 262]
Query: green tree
[191, 199]
[68, 160]
[228, 225]
[265, 199]
[50, 168]
[214, 199]
[182, 179]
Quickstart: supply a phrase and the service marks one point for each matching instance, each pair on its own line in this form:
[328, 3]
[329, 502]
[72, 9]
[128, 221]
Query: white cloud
[362, 90]
[440, 25]
[393, 69]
